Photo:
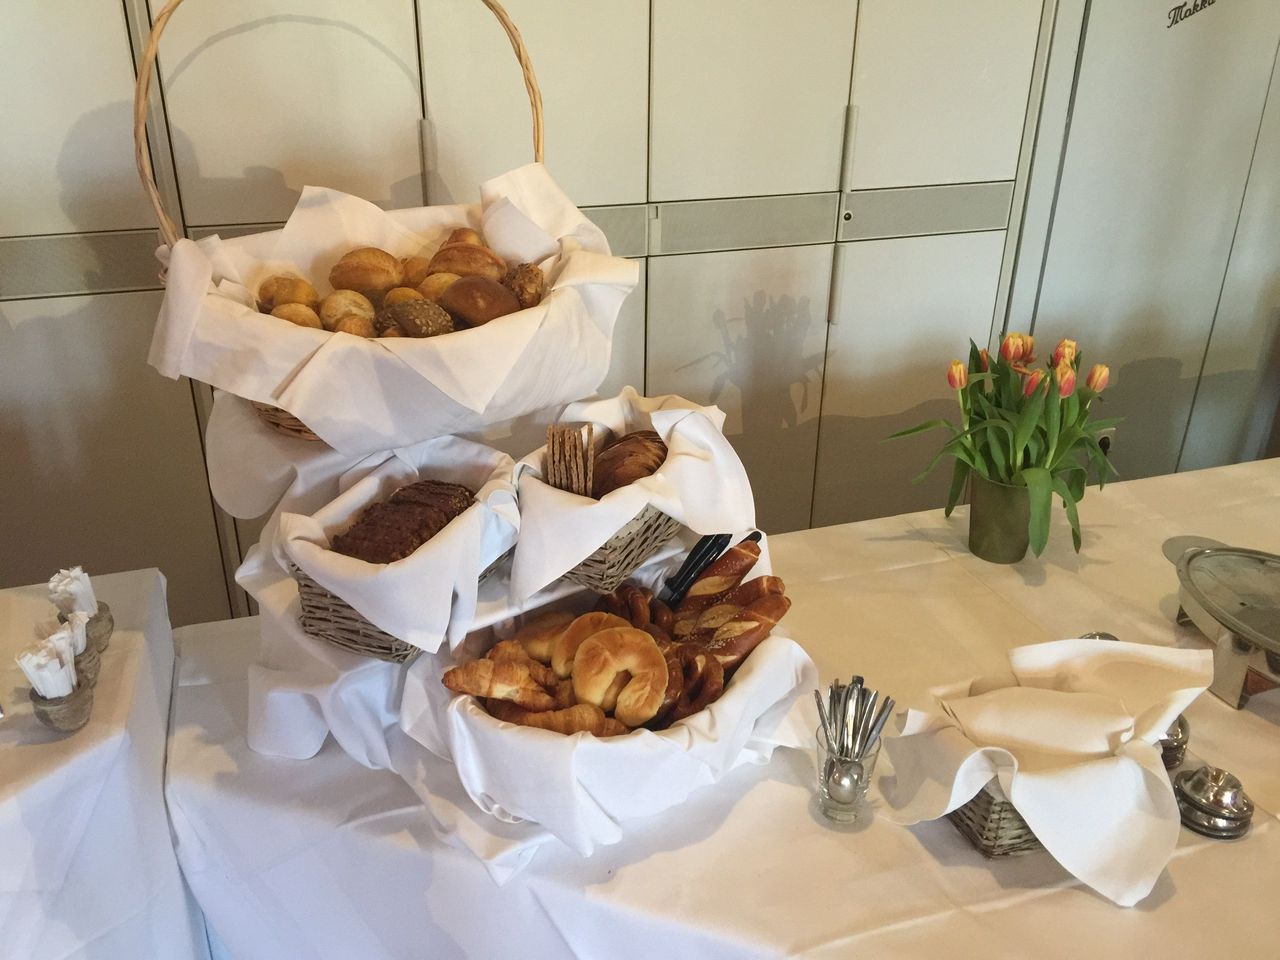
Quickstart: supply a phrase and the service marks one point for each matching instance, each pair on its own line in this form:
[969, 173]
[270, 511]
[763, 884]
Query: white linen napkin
[361, 395]
[1069, 734]
[71, 590]
[50, 666]
[702, 484]
[429, 596]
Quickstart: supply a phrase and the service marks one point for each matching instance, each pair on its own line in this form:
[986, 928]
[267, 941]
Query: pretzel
[719, 578]
[703, 681]
[748, 593]
[675, 686]
[499, 680]
[661, 614]
[736, 638]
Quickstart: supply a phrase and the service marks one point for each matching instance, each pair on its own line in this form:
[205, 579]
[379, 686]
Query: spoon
[843, 777]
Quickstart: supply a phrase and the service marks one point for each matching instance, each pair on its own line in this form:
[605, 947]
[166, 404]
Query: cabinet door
[627, 365]
[1236, 415]
[749, 97]
[591, 58]
[265, 97]
[940, 90]
[67, 113]
[746, 330]
[904, 309]
[1163, 129]
[102, 455]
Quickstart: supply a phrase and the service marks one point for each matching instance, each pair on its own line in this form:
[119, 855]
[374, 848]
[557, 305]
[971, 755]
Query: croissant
[538, 635]
[499, 680]
[580, 718]
[514, 651]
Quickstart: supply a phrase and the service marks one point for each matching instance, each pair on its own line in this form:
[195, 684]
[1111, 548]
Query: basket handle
[142, 90]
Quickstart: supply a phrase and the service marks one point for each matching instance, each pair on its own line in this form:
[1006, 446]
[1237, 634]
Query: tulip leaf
[1040, 486]
[958, 477]
[921, 428]
[1000, 457]
[1071, 413]
[975, 357]
[1076, 479]
[1097, 426]
[1027, 421]
[1069, 505]
[1052, 419]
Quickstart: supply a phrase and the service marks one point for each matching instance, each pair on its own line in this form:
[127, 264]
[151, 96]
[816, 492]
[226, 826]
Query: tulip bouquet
[1025, 426]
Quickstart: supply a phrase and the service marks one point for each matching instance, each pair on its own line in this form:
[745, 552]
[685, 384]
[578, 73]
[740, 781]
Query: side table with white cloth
[326, 858]
[87, 867]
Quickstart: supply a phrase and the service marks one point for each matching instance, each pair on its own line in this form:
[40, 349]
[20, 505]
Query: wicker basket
[328, 617]
[993, 826]
[278, 419]
[283, 421]
[631, 546]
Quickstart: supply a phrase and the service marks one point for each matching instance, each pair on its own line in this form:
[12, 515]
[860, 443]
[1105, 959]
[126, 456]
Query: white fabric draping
[87, 867]
[327, 859]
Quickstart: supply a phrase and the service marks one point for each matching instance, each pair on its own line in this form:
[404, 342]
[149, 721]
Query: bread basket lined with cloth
[427, 597]
[701, 485]
[579, 788]
[365, 395]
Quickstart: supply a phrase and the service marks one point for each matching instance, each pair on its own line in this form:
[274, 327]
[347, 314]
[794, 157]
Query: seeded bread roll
[414, 318]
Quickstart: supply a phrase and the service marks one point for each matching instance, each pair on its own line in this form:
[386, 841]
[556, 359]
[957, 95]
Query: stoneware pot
[87, 665]
[64, 714]
[998, 518]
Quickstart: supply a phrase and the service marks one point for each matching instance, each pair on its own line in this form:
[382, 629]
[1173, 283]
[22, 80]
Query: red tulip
[957, 375]
[1065, 350]
[1065, 376]
[984, 360]
[1019, 349]
[1098, 377]
[1032, 383]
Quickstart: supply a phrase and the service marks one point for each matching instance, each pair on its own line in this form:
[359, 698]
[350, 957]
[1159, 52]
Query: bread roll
[415, 270]
[278, 290]
[464, 235]
[340, 303]
[636, 455]
[435, 285]
[527, 282]
[400, 295]
[474, 301]
[367, 270]
[414, 318]
[355, 325]
[298, 313]
[468, 260]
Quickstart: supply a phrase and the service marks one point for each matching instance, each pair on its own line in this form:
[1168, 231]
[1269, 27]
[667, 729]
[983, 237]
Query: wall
[825, 207]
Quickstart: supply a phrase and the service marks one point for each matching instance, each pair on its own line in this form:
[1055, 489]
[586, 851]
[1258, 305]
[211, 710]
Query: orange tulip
[1098, 377]
[984, 360]
[1065, 350]
[1065, 376]
[957, 375]
[1019, 349]
[1032, 383]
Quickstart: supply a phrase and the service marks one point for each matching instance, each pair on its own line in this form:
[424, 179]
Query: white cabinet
[746, 330]
[904, 309]
[110, 469]
[626, 367]
[749, 96]
[67, 113]
[1237, 407]
[940, 90]
[265, 97]
[591, 58]
[1156, 162]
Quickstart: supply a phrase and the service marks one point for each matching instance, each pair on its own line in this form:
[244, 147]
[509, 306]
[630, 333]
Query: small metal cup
[843, 783]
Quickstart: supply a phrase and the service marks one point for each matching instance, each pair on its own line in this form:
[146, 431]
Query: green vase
[998, 519]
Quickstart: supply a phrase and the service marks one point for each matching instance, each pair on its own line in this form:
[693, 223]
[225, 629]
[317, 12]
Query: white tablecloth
[324, 858]
[86, 862]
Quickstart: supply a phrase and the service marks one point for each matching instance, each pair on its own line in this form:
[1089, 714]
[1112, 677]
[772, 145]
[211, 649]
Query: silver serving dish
[1212, 802]
[1232, 596]
[1173, 746]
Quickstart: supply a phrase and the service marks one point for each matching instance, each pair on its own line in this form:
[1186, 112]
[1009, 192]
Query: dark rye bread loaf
[390, 531]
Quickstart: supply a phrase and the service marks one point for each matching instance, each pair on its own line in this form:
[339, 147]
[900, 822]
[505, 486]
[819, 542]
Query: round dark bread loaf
[626, 460]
